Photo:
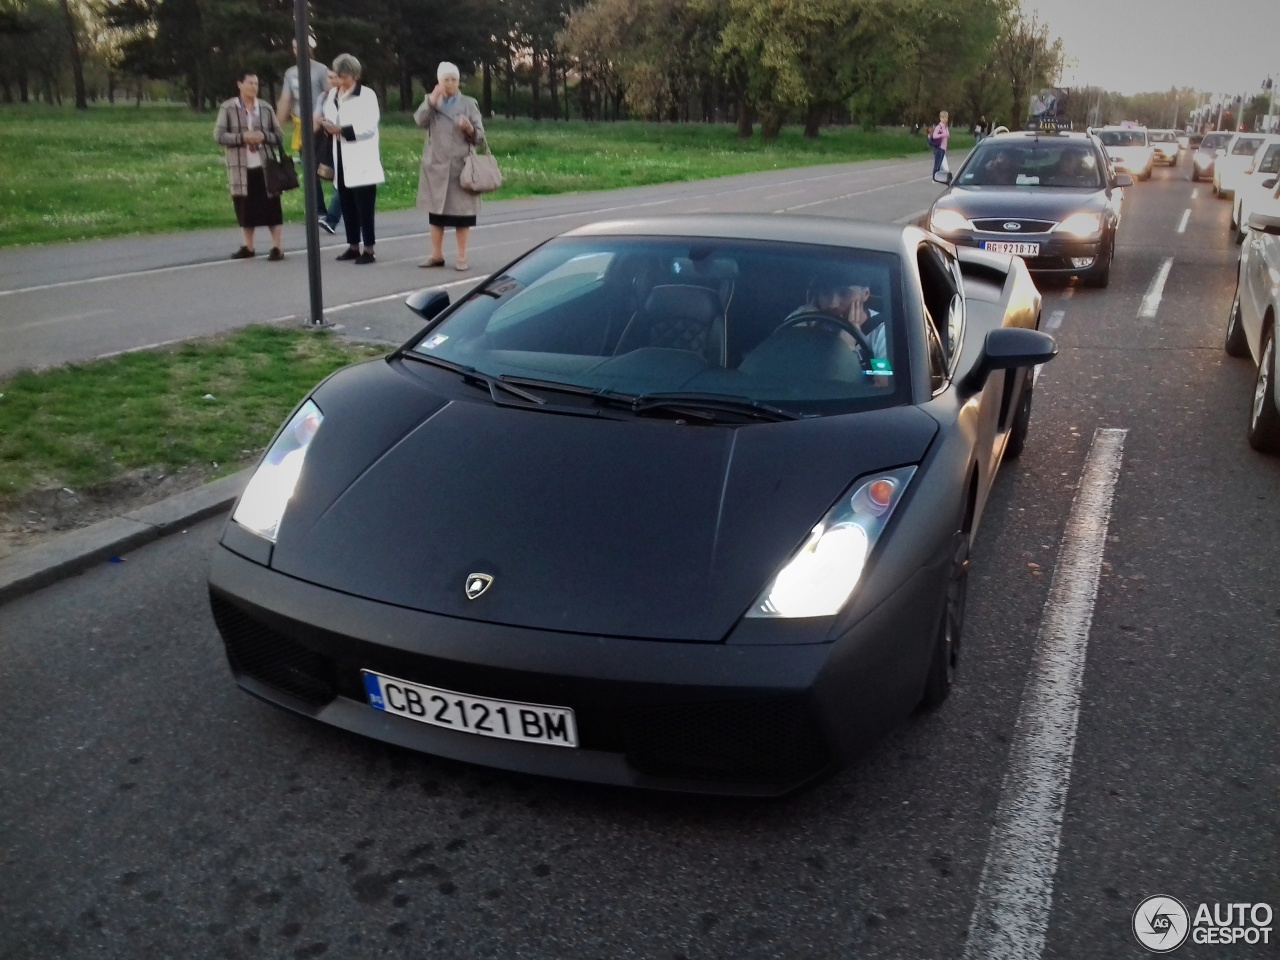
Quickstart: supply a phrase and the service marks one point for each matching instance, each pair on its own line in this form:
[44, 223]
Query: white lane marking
[1015, 894]
[339, 307]
[1182, 224]
[1151, 302]
[856, 193]
[69, 317]
[1195, 192]
[1054, 321]
[484, 226]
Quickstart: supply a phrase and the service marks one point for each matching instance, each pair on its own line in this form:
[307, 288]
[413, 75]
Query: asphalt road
[151, 809]
[80, 301]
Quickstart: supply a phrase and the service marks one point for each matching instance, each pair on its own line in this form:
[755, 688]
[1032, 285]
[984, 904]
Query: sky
[1140, 46]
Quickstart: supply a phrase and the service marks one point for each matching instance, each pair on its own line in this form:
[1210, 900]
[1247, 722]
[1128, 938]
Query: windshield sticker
[879, 368]
[435, 341]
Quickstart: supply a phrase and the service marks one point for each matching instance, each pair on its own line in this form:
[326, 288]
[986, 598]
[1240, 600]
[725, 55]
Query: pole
[306, 110]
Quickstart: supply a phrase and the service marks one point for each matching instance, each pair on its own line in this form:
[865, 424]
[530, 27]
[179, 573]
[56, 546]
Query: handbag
[324, 155]
[480, 173]
[278, 170]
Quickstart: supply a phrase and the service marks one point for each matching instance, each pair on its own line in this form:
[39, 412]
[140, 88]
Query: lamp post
[306, 110]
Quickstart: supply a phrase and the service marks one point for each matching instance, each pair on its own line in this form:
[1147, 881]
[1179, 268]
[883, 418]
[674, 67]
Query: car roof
[1039, 135]
[782, 228]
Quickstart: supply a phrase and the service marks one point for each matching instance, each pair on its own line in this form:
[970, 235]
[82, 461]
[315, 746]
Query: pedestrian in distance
[351, 117]
[288, 105]
[331, 217]
[244, 125]
[980, 128]
[938, 138]
[454, 128]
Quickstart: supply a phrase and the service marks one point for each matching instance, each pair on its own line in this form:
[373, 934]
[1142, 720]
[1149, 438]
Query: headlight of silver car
[262, 504]
[822, 574]
[1080, 225]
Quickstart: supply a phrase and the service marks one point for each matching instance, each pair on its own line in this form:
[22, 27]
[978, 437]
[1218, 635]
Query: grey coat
[229, 131]
[445, 149]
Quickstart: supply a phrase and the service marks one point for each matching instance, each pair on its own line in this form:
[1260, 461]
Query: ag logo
[477, 583]
[1161, 924]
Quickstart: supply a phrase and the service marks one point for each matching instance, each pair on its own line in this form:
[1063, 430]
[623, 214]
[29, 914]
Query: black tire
[1021, 423]
[1236, 345]
[1195, 177]
[1100, 275]
[1264, 418]
[946, 648]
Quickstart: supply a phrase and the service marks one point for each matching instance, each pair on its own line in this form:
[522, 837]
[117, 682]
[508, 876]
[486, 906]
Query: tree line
[757, 63]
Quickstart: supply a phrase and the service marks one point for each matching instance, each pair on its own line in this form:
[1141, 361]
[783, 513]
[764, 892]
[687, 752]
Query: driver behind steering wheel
[840, 297]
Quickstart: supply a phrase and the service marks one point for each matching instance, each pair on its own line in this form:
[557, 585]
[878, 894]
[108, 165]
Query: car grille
[997, 225]
[256, 650]
[773, 740]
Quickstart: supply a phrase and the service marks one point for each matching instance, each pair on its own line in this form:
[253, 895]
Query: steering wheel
[865, 352]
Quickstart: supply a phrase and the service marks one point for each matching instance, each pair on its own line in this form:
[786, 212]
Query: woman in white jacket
[351, 117]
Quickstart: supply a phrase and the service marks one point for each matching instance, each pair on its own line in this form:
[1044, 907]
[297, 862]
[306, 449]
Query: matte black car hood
[640, 528]
[1049, 203]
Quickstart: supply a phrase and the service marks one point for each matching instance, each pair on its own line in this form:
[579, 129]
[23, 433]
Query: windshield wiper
[474, 376]
[702, 404]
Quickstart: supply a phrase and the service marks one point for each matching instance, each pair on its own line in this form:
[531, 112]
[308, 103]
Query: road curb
[31, 569]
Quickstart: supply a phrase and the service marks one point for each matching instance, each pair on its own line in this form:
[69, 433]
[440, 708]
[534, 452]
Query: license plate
[1017, 249]
[504, 719]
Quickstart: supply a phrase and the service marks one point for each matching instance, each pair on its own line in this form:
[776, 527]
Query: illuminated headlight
[948, 221]
[820, 577]
[262, 504]
[1203, 159]
[1080, 225]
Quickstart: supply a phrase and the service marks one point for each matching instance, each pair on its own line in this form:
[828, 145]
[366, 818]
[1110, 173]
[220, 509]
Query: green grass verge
[124, 170]
[87, 424]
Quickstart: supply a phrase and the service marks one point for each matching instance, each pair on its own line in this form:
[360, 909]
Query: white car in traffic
[1233, 161]
[1164, 146]
[1128, 149]
[1251, 326]
[1252, 188]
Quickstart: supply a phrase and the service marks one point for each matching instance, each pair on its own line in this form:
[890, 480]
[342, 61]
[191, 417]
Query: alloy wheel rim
[1264, 379]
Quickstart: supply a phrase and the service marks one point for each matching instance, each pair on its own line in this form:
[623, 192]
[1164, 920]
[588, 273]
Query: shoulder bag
[480, 173]
[278, 169]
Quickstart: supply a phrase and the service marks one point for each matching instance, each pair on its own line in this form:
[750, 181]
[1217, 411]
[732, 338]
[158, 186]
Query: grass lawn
[123, 169]
[214, 401]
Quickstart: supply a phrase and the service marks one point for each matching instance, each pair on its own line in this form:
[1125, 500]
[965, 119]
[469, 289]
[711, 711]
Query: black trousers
[357, 212]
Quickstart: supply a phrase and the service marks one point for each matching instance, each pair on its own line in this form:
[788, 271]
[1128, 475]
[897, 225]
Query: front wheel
[1236, 344]
[1264, 417]
[1101, 274]
[946, 649]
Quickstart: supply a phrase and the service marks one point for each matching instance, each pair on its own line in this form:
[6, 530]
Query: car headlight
[821, 575]
[1080, 225]
[262, 504]
[1202, 159]
[948, 221]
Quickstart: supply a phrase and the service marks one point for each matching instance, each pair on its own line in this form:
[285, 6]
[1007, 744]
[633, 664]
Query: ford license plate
[505, 719]
[1017, 249]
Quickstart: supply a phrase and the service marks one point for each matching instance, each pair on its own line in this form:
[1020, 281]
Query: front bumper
[709, 718]
[1058, 256]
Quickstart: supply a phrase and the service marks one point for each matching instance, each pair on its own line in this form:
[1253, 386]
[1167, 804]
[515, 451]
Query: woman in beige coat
[454, 127]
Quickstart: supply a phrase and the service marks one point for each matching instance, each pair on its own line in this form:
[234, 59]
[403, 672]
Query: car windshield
[1123, 138]
[1163, 136]
[739, 320]
[1212, 141]
[1032, 163]
[1246, 146]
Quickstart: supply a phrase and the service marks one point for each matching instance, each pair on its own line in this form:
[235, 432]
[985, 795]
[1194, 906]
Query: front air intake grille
[256, 650]
[999, 225]
[774, 740]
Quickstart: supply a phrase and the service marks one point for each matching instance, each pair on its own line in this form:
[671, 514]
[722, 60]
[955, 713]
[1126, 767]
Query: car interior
[723, 317]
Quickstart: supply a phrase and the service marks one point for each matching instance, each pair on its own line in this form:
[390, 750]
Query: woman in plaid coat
[244, 124]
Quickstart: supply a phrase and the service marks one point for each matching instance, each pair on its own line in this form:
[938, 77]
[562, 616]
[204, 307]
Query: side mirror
[428, 303]
[1009, 348]
[1124, 180]
[1270, 184]
[942, 176]
[1265, 223]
